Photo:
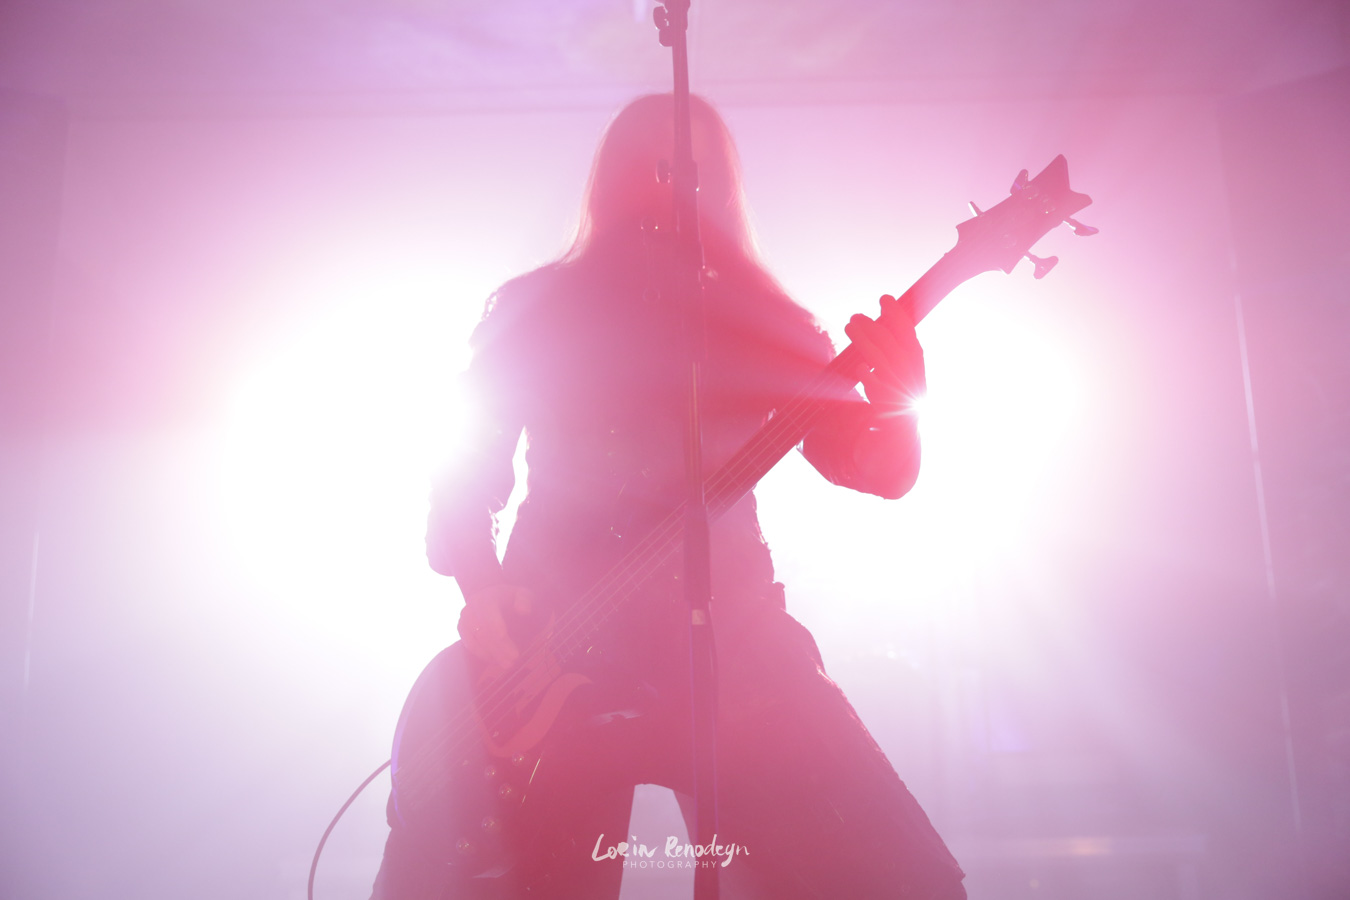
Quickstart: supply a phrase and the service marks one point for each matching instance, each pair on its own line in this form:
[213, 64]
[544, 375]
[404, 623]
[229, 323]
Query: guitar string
[613, 590]
[729, 482]
[773, 441]
[650, 555]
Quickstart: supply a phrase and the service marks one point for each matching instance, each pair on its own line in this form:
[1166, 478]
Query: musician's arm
[873, 446]
[474, 487]
[461, 540]
[466, 497]
[859, 447]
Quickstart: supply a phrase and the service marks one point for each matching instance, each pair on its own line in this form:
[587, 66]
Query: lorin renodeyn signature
[692, 854]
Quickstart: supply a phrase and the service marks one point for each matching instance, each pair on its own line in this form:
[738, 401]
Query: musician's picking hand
[482, 623]
[894, 359]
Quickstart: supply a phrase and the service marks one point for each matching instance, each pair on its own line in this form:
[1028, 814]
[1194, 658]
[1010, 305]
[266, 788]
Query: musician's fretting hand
[482, 623]
[893, 356]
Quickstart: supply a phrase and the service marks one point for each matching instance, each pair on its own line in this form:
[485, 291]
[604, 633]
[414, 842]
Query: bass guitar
[467, 744]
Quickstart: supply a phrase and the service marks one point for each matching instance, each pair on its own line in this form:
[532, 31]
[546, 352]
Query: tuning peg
[1043, 266]
[661, 19]
[1080, 229]
[1021, 181]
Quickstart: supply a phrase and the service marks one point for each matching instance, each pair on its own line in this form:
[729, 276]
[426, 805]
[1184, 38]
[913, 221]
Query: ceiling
[111, 55]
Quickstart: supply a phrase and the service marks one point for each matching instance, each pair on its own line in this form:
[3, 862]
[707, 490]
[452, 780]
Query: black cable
[314, 866]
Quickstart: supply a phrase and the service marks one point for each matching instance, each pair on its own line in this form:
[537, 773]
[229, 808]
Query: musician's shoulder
[528, 289]
[513, 310]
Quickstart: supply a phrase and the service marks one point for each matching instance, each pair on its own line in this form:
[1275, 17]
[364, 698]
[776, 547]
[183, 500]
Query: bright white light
[1005, 395]
[327, 449]
[1005, 408]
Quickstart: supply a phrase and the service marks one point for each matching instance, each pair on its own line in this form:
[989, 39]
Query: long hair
[623, 188]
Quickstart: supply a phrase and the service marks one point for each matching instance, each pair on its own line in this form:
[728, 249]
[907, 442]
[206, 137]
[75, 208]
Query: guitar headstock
[999, 237]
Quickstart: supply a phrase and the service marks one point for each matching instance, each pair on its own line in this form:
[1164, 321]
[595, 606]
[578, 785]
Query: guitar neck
[790, 424]
[995, 239]
[934, 285]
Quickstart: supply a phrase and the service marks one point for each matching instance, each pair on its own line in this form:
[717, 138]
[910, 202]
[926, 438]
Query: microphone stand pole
[672, 22]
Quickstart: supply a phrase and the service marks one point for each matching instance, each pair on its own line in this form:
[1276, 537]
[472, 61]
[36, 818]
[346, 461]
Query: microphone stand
[672, 22]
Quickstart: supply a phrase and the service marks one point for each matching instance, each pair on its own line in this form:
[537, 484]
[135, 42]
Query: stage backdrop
[1063, 636]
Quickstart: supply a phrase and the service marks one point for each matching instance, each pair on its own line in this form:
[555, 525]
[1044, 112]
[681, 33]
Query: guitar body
[462, 768]
[472, 737]
[449, 793]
